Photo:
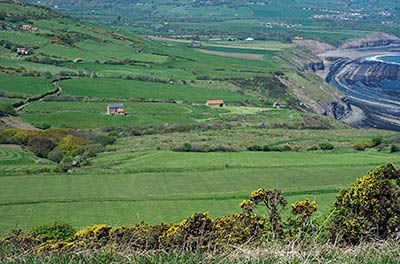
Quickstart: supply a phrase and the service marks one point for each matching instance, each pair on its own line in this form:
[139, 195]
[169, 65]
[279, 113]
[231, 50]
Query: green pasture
[23, 38]
[24, 85]
[266, 52]
[14, 160]
[101, 107]
[180, 160]
[27, 65]
[117, 88]
[90, 120]
[124, 188]
[7, 100]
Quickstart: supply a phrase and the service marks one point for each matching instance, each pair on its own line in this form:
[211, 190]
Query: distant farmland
[116, 88]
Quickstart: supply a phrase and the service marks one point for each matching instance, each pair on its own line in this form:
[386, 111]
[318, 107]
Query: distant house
[115, 109]
[249, 39]
[277, 105]
[298, 38]
[26, 27]
[76, 60]
[23, 51]
[34, 29]
[215, 103]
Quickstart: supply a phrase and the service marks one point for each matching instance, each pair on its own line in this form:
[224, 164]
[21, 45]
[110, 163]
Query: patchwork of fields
[163, 86]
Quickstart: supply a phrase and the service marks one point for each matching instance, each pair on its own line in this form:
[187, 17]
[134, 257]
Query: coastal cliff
[371, 86]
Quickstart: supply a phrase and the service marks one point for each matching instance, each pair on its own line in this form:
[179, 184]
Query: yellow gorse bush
[304, 209]
[370, 208]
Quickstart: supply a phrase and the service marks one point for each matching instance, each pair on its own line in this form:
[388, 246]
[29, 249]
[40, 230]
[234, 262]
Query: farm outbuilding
[115, 109]
[215, 103]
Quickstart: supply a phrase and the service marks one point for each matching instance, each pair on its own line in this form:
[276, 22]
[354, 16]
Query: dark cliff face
[315, 66]
[336, 109]
[372, 43]
[339, 109]
[371, 86]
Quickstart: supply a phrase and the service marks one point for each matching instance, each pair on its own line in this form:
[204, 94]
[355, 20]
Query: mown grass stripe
[206, 198]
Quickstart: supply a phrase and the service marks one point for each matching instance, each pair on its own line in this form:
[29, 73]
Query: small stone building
[215, 103]
[115, 109]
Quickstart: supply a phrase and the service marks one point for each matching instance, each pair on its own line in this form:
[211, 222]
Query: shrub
[55, 155]
[88, 151]
[394, 148]
[222, 148]
[187, 147]
[56, 230]
[70, 143]
[369, 209]
[303, 212]
[359, 146]
[326, 146]
[377, 141]
[274, 203]
[114, 134]
[104, 140]
[266, 148]
[255, 148]
[42, 125]
[6, 109]
[41, 146]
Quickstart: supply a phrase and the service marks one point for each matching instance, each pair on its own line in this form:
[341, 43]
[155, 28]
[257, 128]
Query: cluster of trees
[68, 147]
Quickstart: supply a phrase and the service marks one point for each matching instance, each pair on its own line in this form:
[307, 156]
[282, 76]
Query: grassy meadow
[125, 89]
[124, 188]
[24, 85]
[15, 160]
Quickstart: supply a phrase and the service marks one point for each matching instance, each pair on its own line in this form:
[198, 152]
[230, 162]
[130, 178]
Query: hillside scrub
[56, 144]
[368, 211]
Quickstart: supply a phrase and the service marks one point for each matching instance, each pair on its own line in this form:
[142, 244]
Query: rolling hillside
[43, 49]
[323, 20]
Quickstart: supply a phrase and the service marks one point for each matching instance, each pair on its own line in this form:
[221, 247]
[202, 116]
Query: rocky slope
[372, 87]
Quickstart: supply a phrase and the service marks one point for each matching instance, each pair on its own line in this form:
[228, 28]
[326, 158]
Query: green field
[268, 53]
[125, 188]
[24, 85]
[85, 115]
[13, 160]
[115, 88]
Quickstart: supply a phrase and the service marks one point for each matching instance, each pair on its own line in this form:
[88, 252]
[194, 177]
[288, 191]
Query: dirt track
[247, 56]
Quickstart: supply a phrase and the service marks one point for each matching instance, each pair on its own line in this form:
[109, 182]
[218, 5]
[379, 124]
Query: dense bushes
[375, 141]
[326, 146]
[6, 109]
[55, 230]
[59, 144]
[41, 146]
[369, 209]
[56, 155]
[187, 147]
[267, 148]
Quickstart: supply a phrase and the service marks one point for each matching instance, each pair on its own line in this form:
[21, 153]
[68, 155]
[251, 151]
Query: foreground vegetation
[366, 212]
